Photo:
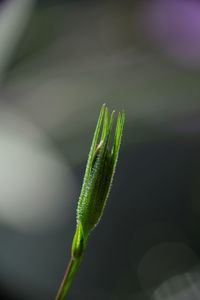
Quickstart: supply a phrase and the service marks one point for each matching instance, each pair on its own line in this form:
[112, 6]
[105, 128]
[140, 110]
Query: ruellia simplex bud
[98, 177]
[96, 186]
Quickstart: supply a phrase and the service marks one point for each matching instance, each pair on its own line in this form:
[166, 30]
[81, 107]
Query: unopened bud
[99, 171]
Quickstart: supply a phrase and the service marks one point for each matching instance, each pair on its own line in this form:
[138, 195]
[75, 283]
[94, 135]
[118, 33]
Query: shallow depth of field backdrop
[59, 62]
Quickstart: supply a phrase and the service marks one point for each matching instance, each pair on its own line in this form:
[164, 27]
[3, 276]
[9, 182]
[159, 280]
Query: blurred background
[59, 62]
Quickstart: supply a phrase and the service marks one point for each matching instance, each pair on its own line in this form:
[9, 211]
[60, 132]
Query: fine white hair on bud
[100, 170]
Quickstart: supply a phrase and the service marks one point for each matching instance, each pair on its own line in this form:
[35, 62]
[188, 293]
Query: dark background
[59, 62]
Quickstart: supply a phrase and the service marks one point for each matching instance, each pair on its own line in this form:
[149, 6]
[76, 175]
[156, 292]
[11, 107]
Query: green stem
[68, 278]
[78, 248]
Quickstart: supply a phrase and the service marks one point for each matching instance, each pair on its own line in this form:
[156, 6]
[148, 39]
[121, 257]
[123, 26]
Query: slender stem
[68, 278]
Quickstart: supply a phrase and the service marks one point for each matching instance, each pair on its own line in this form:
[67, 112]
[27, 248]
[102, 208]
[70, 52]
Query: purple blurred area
[174, 26]
[59, 62]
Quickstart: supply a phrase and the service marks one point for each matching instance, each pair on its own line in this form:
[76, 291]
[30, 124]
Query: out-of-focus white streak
[36, 185]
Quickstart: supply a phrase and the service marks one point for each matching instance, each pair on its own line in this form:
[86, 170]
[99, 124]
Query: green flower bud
[99, 173]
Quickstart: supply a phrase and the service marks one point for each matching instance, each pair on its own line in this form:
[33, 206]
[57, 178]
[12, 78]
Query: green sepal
[99, 171]
[78, 243]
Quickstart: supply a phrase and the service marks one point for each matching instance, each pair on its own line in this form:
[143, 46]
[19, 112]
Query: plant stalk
[68, 277]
